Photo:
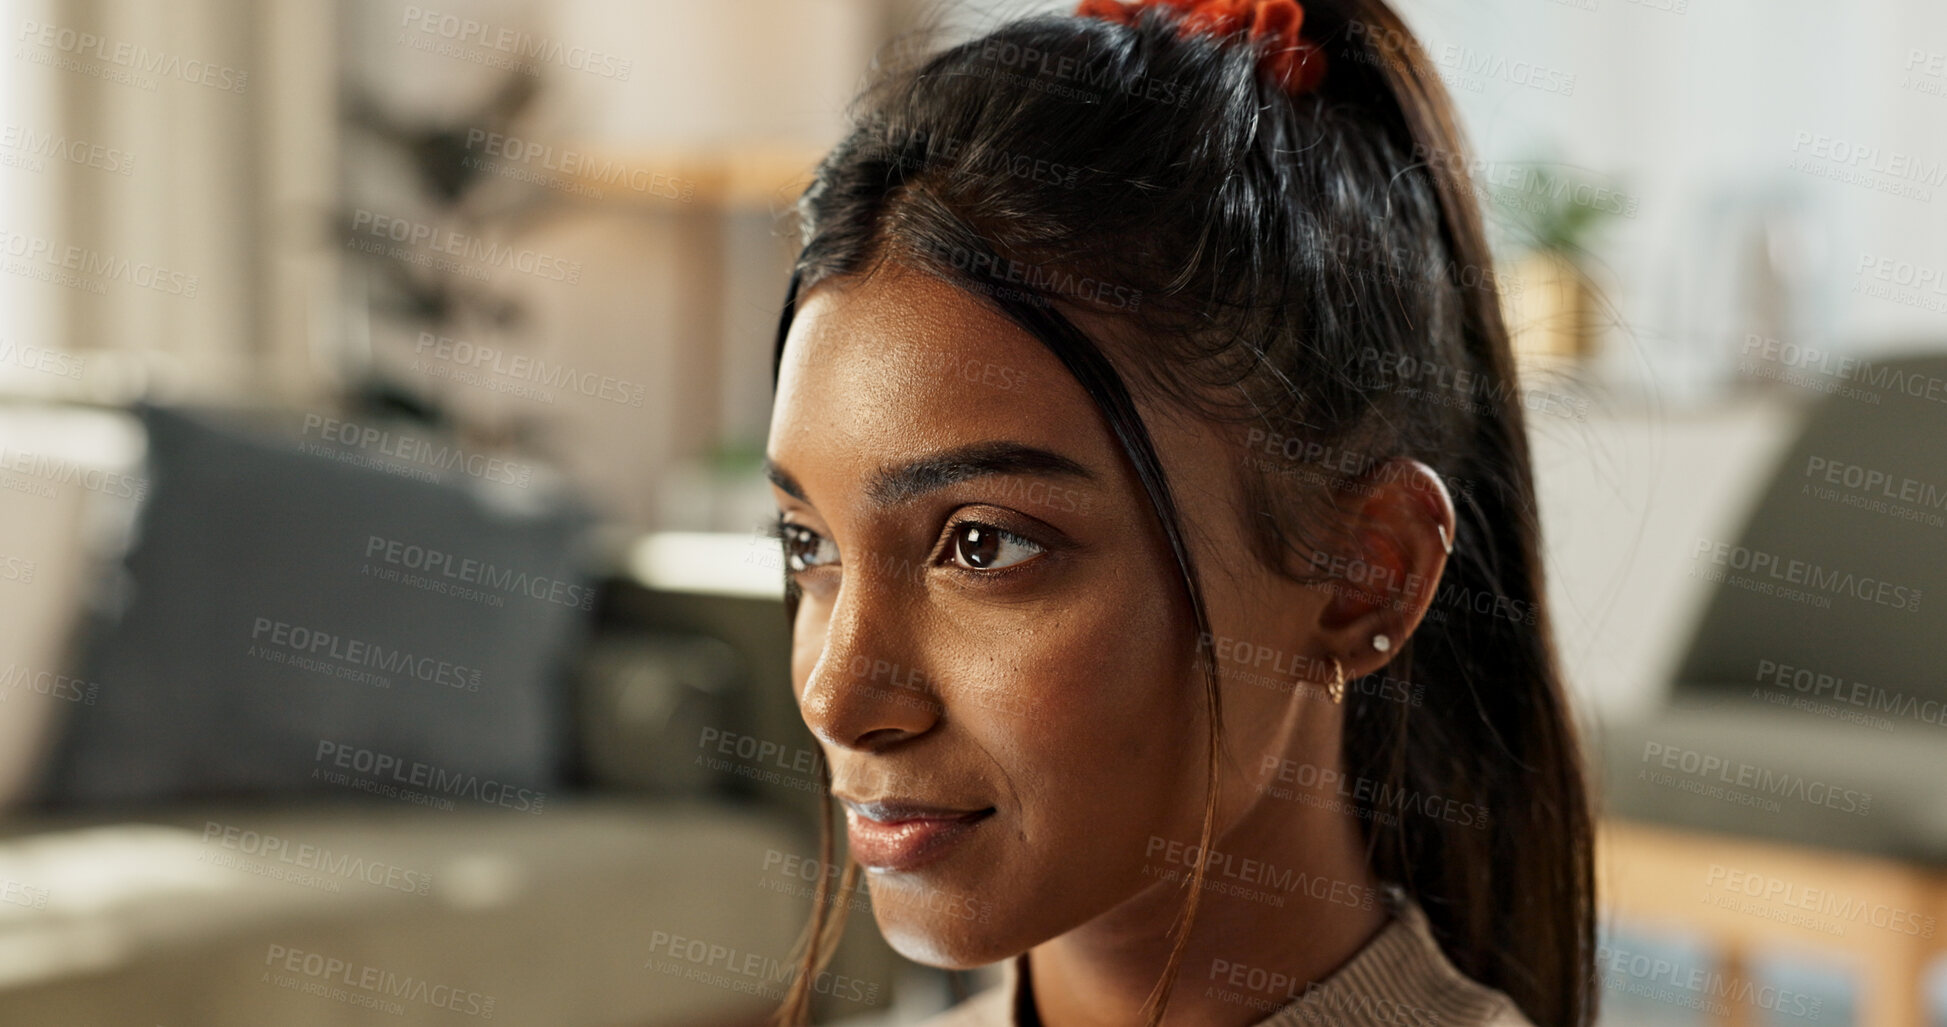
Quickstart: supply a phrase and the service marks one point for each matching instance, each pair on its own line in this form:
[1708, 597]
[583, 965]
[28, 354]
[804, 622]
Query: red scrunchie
[1296, 64]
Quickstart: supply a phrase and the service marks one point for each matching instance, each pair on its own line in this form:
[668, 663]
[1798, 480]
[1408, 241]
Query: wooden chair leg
[1735, 964]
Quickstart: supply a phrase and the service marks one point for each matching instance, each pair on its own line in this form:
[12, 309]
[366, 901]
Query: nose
[868, 690]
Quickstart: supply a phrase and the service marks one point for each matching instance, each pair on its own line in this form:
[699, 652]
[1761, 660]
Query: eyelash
[780, 529]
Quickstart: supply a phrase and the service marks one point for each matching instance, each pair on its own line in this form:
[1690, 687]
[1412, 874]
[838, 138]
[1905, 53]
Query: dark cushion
[1841, 569]
[300, 614]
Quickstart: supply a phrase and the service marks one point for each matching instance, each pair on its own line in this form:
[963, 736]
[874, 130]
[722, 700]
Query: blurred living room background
[386, 634]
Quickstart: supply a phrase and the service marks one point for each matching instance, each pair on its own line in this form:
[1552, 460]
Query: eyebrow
[891, 486]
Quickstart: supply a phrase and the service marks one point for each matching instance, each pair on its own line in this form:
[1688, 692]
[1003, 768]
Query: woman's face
[992, 631]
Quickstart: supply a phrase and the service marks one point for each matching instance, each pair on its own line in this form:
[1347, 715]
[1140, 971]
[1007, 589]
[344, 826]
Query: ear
[1381, 581]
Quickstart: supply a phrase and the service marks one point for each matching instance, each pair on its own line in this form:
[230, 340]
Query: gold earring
[1337, 688]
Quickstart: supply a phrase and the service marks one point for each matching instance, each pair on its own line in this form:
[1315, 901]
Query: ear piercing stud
[1381, 643]
[1445, 542]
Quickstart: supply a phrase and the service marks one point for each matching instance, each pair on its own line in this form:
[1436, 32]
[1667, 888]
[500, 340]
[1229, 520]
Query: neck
[1287, 900]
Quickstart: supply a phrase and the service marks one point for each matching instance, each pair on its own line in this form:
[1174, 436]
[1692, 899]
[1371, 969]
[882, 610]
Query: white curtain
[170, 172]
[230, 121]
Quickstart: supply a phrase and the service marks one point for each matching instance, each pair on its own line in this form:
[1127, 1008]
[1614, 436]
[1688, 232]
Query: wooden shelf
[748, 177]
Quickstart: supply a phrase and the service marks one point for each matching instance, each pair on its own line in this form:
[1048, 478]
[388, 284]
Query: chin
[941, 946]
[937, 934]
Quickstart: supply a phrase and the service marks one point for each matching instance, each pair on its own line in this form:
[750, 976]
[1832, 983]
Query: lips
[894, 835]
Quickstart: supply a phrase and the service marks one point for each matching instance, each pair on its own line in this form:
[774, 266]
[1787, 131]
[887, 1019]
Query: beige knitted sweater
[1399, 979]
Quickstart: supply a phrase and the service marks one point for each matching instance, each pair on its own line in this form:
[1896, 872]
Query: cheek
[1106, 725]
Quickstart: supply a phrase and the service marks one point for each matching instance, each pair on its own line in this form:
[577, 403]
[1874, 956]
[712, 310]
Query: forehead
[899, 364]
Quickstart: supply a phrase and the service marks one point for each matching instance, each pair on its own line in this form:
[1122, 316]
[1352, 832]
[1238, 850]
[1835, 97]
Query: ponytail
[1513, 905]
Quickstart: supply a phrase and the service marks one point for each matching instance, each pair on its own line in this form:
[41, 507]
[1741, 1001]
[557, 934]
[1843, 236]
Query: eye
[983, 547]
[804, 548]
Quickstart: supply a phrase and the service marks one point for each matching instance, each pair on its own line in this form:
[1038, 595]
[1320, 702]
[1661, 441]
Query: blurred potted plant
[1551, 213]
[447, 176]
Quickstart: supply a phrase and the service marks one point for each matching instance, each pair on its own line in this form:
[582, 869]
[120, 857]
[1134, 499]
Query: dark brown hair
[1299, 256]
